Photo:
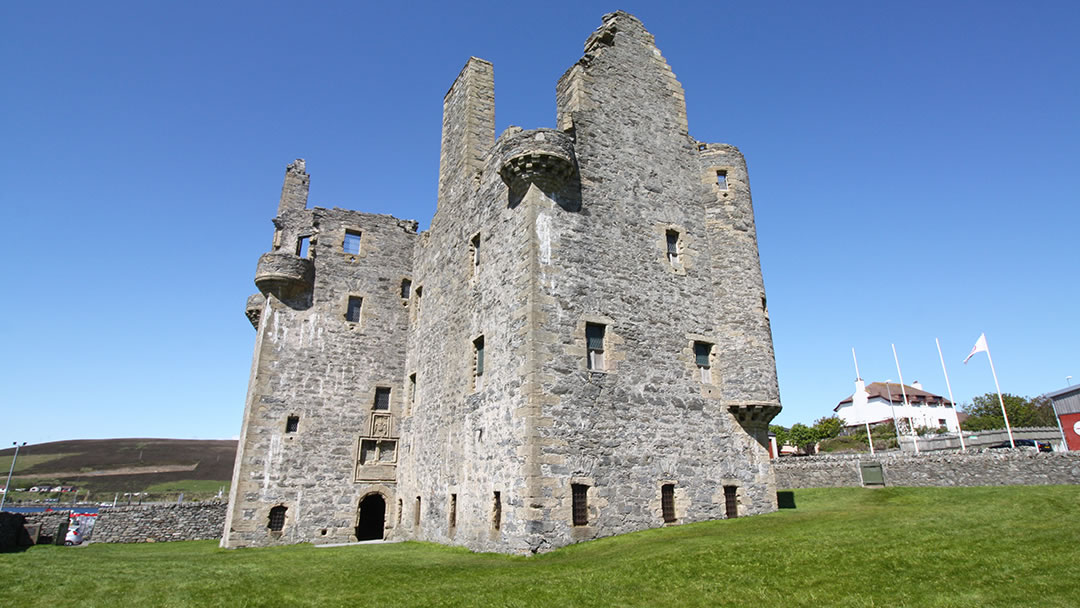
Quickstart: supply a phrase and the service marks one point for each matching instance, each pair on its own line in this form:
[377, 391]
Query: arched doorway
[371, 518]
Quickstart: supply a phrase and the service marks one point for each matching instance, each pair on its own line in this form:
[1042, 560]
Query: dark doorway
[371, 519]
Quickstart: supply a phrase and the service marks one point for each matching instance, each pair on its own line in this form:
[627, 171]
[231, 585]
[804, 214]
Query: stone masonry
[579, 346]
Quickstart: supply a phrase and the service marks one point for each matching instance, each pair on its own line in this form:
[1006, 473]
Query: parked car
[1027, 444]
[74, 536]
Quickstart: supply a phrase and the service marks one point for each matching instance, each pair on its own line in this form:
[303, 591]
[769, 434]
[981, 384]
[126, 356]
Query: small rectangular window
[382, 398]
[667, 502]
[352, 312]
[496, 514]
[453, 510]
[292, 423]
[302, 246]
[478, 363]
[673, 247]
[580, 503]
[406, 288]
[721, 179]
[703, 360]
[277, 519]
[731, 501]
[594, 339]
[351, 244]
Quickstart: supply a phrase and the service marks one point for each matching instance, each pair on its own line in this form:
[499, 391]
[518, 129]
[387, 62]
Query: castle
[579, 346]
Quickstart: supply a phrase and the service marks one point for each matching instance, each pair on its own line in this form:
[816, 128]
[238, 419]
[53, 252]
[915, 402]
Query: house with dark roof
[883, 401]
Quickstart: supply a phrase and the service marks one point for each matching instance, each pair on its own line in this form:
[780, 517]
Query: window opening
[416, 513]
[478, 362]
[382, 398]
[351, 244]
[594, 338]
[352, 312]
[453, 510]
[277, 519]
[406, 288]
[397, 520]
[721, 179]
[292, 423]
[496, 514]
[673, 247]
[580, 503]
[377, 451]
[302, 246]
[731, 502]
[412, 388]
[667, 502]
[703, 360]
[474, 248]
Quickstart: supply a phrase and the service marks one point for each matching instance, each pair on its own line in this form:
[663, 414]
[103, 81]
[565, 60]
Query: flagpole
[907, 408]
[865, 421]
[1001, 400]
[959, 430]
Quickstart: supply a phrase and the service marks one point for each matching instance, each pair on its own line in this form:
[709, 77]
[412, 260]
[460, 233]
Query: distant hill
[104, 467]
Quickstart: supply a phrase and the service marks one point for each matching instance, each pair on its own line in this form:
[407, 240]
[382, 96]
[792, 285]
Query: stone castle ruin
[579, 346]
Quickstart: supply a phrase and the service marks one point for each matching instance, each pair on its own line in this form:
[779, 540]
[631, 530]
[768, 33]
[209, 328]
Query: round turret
[284, 275]
[544, 157]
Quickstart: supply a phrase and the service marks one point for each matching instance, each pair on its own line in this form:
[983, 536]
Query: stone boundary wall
[146, 523]
[1003, 467]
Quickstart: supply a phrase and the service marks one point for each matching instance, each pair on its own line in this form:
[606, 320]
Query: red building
[1067, 408]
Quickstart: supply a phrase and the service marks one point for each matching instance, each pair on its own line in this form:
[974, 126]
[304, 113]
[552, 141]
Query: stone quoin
[579, 346]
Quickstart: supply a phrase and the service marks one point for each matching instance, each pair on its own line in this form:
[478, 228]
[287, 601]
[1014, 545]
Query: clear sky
[910, 165]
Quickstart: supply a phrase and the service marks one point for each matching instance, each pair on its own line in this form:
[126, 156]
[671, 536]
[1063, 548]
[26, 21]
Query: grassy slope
[39, 464]
[1000, 546]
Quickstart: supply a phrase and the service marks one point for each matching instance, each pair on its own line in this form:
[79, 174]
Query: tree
[829, 427]
[802, 436]
[984, 412]
[781, 433]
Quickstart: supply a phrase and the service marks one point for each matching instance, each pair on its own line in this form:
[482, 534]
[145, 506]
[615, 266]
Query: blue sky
[910, 167]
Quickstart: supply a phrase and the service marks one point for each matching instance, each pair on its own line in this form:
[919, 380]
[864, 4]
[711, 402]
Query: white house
[880, 402]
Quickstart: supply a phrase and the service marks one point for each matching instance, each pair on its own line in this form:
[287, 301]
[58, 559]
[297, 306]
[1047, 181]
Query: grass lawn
[994, 546]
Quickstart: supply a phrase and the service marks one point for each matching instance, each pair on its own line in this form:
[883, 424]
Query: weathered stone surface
[971, 468]
[537, 235]
[144, 523]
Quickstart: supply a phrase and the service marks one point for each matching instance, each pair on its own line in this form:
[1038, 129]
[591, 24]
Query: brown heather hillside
[108, 466]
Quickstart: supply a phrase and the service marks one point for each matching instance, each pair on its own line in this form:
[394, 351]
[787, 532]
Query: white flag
[980, 347]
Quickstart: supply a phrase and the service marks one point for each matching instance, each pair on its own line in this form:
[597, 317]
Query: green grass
[190, 487]
[1000, 546]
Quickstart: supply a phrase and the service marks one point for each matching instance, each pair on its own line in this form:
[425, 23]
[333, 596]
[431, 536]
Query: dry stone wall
[973, 468]
[144, 523]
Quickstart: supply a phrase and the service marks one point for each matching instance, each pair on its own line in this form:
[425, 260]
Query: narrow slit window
[667, 502]
[412, 388]
[382, 398]
[354, 308]
[277, 519]
[416, 513]
[703, 360]
[406, 289]
[302, 246]
[474, 249]
[580, 503]
[673, 247]
[292, 423]
[496, 514]
[453, 510]
[594, 343]
[399, 510]
[721, 179]
[478, 362]
[351, 244]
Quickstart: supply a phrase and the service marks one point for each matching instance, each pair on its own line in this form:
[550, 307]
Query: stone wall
[144, 523]
[973, 468]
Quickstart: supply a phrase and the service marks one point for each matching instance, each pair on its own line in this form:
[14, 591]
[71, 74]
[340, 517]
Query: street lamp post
[7, 486]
